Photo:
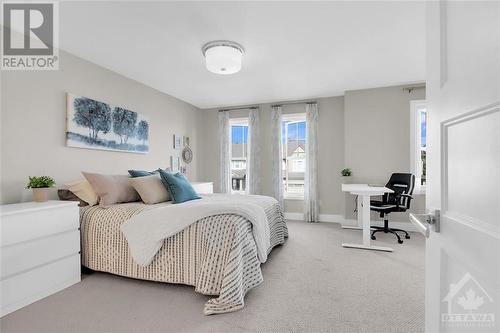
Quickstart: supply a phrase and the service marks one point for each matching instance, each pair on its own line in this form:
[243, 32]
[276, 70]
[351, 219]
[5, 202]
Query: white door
[463, 94]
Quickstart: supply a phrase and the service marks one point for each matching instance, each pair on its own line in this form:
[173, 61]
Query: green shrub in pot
[40, 186]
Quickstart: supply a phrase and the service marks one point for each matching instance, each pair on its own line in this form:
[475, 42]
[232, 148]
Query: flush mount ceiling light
[223, 56]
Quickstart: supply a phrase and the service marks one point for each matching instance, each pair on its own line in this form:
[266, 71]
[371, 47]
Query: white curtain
[224, 152]
[277, 155]
[311, 202]
[253, 184]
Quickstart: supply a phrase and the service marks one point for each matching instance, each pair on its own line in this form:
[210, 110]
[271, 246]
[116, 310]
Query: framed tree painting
[98, 125]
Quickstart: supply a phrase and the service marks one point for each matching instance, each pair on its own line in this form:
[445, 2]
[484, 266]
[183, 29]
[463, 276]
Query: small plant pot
[346, 179]
[41, 194]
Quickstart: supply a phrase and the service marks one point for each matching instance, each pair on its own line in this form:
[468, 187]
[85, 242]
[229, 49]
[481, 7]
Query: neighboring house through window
[293, 129]
[418, 140]
[239, 153]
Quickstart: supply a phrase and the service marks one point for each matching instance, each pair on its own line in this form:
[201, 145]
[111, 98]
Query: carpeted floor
[311, 284]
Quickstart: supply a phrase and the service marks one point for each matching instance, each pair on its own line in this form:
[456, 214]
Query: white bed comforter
[146, 231]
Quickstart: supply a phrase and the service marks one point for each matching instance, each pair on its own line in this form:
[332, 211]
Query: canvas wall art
[98, 125]
[177, 141]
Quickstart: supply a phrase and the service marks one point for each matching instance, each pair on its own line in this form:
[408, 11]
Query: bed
[216, 254]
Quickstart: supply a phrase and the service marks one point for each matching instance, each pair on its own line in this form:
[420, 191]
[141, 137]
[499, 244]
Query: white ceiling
[294, 50]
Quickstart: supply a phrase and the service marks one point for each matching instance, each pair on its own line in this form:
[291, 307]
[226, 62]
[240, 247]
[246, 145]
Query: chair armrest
[399, 195]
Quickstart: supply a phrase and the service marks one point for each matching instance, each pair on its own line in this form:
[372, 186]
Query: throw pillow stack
[175, 184]
[151, 187]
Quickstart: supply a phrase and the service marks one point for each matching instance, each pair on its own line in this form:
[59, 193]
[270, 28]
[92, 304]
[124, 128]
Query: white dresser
[203, 187]
[40, 251]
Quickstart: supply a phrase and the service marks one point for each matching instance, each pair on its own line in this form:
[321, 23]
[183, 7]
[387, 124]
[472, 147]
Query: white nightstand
[203, 187]
[40, 251]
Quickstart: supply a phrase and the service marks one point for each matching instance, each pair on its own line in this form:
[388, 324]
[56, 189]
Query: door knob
[424, 222]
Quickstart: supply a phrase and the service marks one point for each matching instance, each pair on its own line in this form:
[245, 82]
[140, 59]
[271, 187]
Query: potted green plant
[40, 186]
[345, 173]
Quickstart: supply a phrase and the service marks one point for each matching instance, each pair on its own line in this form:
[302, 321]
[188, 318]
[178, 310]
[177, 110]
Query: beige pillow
[151, 189]
[112, 189]
[84, 191]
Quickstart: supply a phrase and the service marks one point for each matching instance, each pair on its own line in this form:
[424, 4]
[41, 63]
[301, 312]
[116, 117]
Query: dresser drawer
[30, 225]
[26, 288]
[26, 255]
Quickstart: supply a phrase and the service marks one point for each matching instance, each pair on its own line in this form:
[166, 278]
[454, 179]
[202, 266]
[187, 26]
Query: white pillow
[84, 191]
[150, 188]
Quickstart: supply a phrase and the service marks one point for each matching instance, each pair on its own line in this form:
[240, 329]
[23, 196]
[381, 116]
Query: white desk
[364, 192]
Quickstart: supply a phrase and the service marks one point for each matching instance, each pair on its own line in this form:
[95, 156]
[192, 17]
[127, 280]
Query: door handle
[424, 222]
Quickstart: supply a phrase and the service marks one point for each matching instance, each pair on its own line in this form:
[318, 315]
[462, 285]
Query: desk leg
[364, 220]
[359, 209]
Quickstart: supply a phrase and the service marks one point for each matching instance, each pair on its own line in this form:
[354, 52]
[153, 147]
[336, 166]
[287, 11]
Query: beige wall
[33, 112]
[354, 130]
[377, 138]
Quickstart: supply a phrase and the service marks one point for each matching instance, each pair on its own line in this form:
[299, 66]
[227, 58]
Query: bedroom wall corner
[33, 125]
[331, 151]
[377, 139]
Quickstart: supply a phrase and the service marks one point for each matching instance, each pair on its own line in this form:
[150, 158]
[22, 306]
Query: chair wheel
[407, 236]
[400, 241]
[373, 238]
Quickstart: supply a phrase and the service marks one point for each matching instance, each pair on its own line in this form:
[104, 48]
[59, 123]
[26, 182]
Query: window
[293, 129]
[239, 153]
[419, 142]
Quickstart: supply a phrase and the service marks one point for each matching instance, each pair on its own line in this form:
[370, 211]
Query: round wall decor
[187, 155]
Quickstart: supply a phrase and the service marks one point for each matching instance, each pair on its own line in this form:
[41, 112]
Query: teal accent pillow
[178, 186]
[141, 173]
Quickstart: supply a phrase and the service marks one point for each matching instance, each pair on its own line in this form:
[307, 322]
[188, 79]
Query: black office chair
[402, 184]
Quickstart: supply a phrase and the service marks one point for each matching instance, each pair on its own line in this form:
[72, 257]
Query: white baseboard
[335, 218]
[332, 218]
[322, 217]
[294, 216]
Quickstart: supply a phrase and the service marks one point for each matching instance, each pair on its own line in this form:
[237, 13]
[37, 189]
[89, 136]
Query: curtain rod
[272, 105]
[240, 108]
[292, 103]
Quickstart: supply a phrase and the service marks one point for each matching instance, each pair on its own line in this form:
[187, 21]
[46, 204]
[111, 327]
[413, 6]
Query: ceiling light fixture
[223, 56]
